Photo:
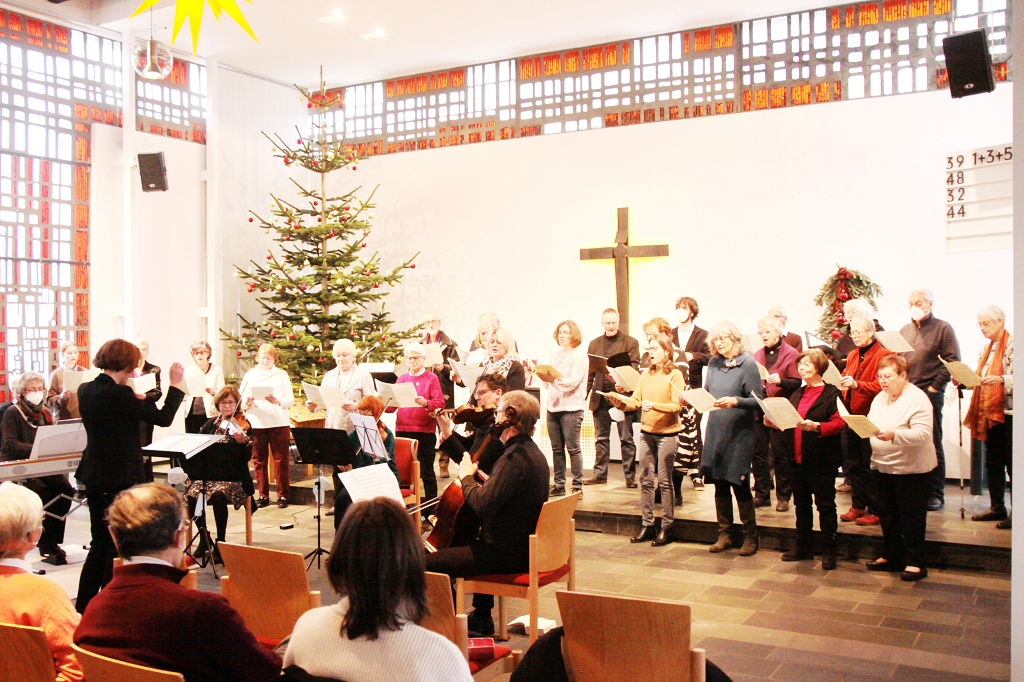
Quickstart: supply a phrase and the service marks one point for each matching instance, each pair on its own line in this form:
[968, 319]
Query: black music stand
[214, 463]
[320, 447]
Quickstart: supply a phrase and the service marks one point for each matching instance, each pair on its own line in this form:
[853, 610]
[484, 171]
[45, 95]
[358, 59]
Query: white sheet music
[261, 392]
[762, 370]
[859, 424]
[366, 483]
[701, 400]
[403, 395]
[72, 380]
[144, 383]
[625, 376]
[832, 375]
[894, 341]
[196, 386]
[369, 436]
[432, 354]
[59, 439]
[962, 373]
[780, 411]
[330, 397]
[188, 444]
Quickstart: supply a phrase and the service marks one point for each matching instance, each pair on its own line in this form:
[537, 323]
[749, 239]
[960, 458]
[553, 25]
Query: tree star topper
[193, 11]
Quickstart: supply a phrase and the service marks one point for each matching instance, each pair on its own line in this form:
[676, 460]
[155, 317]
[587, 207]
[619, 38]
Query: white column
[214, 266]
[1017, 544]
[128, 171]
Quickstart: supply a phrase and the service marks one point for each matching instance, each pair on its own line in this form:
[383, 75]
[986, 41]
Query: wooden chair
[593, 641]
[268, 587]
[442, 619]
[406, 450]
[99, 668]
[190, 581]
[25, 654]
[552, 559]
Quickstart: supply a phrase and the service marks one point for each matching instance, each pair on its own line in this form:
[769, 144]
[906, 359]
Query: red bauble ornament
[413, 266]
[377, 285]
[353, 167]
[262, 289]
[344, 218]
[287, 161]
[291, 337]
[840, 319]
[238, 353]
[347, 207]
[287, 237]
[352, 334]
[302, 286]
[844, 296]
[299, 141]
[309, 105]
[314, 203]
[331, 233]
[273, 335]
[364, 245]
[250, 220]
[836, 334]
[319, 220]
[383, 338]
[269, 256]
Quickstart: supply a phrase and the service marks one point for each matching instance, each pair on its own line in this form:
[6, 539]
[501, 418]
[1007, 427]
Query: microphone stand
[319, 551]
[960, 433]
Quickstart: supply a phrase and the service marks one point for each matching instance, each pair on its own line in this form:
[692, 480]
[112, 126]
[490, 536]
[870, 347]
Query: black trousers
[727, 490]
[768, 455]
[479, 558]
[903, 510]
[50, 489]
[938, 478]
[999, 461]
[857, 464]
[425, 454]
[99, 564]
[815, 484]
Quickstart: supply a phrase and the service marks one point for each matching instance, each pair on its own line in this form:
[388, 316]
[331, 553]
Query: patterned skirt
[232, 490]
[688, 448]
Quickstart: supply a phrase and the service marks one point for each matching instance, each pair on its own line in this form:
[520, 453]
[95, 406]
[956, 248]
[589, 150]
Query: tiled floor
[758, 618]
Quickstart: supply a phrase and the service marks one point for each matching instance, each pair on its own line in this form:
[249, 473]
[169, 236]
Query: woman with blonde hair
[271, 426]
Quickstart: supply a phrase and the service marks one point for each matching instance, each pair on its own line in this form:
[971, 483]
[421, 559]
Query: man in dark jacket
[144, 616]
[613, 342]
[931, 338]
[508, 505]
[432, 334]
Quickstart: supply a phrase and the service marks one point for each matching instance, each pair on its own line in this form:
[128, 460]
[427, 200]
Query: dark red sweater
[144, 616]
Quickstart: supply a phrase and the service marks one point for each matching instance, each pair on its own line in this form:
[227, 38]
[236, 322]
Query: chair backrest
[268, 587]
[440, 606]
[554, 532]
[406, 450]
[593, 638]
[25, 654]
[99, 668]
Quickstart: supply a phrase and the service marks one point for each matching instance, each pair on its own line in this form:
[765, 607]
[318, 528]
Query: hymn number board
[978, 188]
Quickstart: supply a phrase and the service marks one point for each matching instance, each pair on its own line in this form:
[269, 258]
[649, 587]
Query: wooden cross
[621, 253]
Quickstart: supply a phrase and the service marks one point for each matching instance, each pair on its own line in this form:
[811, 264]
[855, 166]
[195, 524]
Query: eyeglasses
[988, 324]
[481, 392]
[229, 402]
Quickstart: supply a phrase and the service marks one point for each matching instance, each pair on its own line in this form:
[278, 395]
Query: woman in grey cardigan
[729, 445]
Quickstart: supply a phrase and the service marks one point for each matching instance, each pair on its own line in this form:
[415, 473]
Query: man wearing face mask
[931, 338]
[19, 426]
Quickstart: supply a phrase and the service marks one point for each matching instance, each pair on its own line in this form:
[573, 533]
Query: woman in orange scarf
[990, 417]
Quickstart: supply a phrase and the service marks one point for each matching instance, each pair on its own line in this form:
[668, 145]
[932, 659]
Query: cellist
[489, 389]
[508, 505]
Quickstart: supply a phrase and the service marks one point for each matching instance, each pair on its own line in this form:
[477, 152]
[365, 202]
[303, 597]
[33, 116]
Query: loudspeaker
[153, 172]
[968, 63]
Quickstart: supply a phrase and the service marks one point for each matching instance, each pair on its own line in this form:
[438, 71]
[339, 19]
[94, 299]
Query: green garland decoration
[838, 289]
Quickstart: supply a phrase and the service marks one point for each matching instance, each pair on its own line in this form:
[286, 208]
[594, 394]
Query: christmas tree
[320, 284]
[838, 289]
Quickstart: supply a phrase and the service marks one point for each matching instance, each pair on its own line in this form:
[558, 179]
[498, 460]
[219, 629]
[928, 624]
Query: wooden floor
[758, 618]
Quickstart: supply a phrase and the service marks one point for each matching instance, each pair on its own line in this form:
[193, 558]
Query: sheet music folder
[324, 446]
[218, 462]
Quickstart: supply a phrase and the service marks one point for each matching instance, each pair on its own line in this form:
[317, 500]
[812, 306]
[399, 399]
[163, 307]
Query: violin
[467, 414]
[457, 525]
[238, 422]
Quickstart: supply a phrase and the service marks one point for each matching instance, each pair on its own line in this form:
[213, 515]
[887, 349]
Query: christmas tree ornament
[838, 289]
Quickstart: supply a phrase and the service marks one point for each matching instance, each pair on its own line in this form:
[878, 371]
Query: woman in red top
[416, 422]
[814, 452]
[860, 386]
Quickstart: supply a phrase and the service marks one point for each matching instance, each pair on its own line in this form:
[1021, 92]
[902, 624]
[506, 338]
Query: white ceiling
[422, 35]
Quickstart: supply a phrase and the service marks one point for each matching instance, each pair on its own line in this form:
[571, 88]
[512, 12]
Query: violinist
[368, 406]
[232, 424]
[489, 389]
[508, 505]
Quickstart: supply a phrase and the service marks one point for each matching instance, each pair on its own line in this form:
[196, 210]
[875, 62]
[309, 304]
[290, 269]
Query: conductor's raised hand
[177, 375]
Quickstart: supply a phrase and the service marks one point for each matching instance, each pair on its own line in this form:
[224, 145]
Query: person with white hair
[445, 374]
[417, 422]
[931, 338]
[779, 358]
[733, 380]
[990, 416]
[18, 429]
[27, 599]
[855, 307]
[354, 382]
[794, 340]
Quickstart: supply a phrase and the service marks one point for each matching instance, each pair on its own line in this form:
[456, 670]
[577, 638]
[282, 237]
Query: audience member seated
[27, 599]
[373, 632]
[144, 616]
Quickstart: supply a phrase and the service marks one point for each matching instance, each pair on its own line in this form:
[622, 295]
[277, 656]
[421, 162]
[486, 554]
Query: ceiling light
[379, 33]
[336, 15]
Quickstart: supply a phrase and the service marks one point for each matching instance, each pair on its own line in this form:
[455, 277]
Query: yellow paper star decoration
[193, 11]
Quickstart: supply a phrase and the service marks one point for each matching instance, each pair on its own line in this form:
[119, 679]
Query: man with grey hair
[153, 395]
[432, 334]
[794, 340]
[931, 338]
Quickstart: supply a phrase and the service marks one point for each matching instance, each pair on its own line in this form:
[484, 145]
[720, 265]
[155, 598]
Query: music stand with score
[320, 447]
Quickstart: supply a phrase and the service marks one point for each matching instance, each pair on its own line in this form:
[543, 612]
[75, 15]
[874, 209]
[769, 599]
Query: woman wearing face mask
[416, 422]
[64, 404]
[370, 406]
[354, 381]
[19, 426]
[270, 423]
[201, 408]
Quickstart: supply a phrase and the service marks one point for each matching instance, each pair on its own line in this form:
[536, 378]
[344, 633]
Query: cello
[457, 524]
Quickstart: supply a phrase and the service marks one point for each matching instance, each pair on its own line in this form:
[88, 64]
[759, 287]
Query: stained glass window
[175, 107]
[867, 49]
[54, 83]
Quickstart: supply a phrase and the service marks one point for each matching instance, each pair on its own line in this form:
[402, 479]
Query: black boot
[749, 519]
[677, 485]
[664, 537]
[723, 507]
[643, 535]
[828, 552]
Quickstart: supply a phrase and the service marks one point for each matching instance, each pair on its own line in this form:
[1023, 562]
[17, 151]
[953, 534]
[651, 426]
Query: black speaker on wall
[968, 63]
[153, 172]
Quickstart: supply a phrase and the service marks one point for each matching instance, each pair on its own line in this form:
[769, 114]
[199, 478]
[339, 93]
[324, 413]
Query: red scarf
[987, 403]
